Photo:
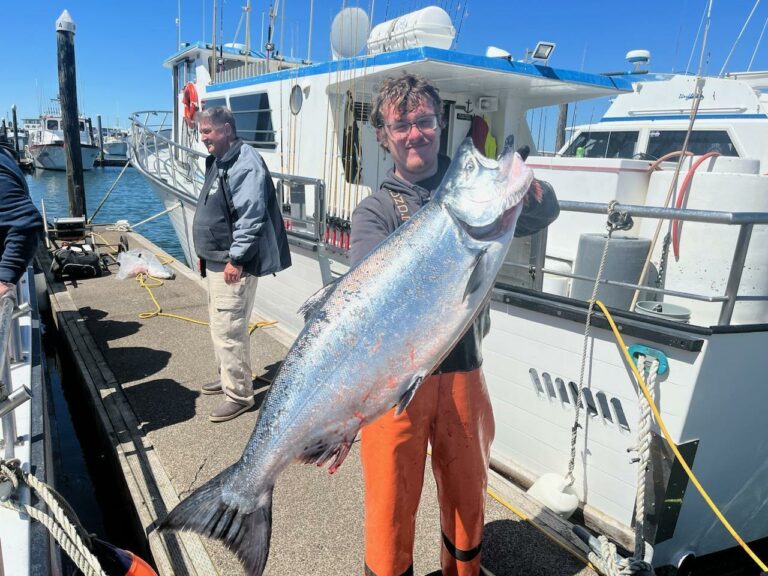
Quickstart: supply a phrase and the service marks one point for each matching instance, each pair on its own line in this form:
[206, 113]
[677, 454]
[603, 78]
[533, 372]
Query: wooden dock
[143, 375]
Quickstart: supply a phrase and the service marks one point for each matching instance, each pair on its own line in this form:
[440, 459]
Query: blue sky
[120, 46]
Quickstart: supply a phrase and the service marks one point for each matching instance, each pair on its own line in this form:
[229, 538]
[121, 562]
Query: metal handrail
[182, 163]
[10, 351]
[745, 220]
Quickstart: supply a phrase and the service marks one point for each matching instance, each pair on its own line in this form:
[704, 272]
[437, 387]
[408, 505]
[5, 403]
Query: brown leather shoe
[211, 388]
[227, 410]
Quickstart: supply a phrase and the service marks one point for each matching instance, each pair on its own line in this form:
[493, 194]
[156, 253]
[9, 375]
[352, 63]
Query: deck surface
[145, 376]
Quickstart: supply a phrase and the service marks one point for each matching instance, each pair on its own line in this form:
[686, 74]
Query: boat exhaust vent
[597, 404]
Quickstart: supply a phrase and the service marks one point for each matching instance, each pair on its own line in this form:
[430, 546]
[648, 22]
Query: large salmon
[370, 339]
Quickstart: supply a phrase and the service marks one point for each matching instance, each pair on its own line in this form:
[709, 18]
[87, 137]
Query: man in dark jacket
[451, 409]
[20, 224]
[239, 235]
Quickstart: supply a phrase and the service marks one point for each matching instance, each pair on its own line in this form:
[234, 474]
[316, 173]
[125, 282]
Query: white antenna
[757, 2]
[757, 46]
[178, 24]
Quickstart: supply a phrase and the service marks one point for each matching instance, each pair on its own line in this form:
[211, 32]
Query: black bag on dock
[75, 262]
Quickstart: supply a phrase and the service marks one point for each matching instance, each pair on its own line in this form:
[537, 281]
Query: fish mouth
[495, 229]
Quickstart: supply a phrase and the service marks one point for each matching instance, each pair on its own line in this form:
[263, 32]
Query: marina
[623, 359]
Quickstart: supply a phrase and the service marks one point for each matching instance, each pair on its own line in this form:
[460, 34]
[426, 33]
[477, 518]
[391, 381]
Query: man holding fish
[451, 410]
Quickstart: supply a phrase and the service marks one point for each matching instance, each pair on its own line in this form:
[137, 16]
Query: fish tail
[247, 534]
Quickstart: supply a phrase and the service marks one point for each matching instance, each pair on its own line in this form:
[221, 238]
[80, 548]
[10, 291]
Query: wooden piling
[15, 132]
[65, 44]
[101, 138]
[562, 120]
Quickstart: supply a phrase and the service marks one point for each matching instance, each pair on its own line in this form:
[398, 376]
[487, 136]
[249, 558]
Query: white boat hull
[52, 156]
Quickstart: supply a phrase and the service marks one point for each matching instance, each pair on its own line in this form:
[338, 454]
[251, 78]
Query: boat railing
[154, 151]
[157, 154]
[744, 220]
[11, 351]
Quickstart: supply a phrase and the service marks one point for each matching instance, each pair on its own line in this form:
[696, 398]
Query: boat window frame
[733, 152]
[605, 145]
[262, 126]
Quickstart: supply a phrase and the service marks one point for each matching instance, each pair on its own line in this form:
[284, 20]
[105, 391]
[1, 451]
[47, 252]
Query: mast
[212, 68]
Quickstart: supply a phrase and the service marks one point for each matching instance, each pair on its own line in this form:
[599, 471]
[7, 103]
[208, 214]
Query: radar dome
[638, 57]
[349, 32]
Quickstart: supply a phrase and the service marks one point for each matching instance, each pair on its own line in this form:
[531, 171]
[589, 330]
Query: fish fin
[408, 395]
[247, 534]
[316, 301]
[321, 453]
[478, 274]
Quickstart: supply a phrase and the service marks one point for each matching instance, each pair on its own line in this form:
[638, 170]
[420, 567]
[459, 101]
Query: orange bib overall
[452, 412]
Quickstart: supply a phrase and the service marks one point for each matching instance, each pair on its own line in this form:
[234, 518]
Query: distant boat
[114, 144]
[46, 143]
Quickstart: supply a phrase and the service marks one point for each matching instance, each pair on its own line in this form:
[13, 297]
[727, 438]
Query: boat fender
[118, 562]
[191, 104]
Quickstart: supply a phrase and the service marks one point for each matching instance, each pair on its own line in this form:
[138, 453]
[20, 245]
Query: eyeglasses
[424, 124]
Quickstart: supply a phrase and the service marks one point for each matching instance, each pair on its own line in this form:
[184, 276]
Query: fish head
[483, 194]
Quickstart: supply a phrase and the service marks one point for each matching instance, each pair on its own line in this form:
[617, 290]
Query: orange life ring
[190, 102]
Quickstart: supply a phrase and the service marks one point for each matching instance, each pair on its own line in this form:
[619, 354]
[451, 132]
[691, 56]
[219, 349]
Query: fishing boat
[114, 144]
[691, 313]
[46, 143]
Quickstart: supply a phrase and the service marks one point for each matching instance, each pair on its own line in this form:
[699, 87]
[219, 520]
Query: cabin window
[51, 124]
[213, 102]
[604, 144]
[185, 72]
[254, 119]
[661, 142]
[81, 126]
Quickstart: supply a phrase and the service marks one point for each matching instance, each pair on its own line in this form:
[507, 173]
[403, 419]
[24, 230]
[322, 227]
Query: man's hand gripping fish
[370, 339]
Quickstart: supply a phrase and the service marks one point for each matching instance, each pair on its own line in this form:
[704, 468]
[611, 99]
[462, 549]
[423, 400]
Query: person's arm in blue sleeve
[249, 191]
[20, 227]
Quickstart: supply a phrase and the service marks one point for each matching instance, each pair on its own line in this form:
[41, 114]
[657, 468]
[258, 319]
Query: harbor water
[132, 199]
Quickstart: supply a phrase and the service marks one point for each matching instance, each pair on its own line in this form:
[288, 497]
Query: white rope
[59, 525]
[608, 562]
[120, 226]
[569, 478]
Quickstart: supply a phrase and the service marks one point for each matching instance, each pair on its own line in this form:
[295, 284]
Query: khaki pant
[453, 413]
[229, 311]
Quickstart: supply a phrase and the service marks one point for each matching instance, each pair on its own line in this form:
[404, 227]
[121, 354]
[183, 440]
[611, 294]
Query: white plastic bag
[138, 261]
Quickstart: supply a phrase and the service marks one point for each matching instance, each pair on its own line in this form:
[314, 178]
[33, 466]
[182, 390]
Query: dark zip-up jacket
[378, 216]
[238, 219]
[20, 222]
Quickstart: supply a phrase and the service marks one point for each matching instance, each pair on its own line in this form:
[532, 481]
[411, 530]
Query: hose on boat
[668, 156]
[682, 193]
[673, 446]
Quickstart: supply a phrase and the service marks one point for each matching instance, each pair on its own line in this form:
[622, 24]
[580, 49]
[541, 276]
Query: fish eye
[470, 166]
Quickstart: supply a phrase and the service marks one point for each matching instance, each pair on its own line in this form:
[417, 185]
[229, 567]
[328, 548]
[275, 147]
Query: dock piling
[65, 44]
[15, 132]
[101, 138]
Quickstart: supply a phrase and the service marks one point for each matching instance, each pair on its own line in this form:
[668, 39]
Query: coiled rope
[64, 527]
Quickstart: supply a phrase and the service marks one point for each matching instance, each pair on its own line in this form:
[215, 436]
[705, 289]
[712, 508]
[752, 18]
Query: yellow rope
[672, 444]
[142, 278]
